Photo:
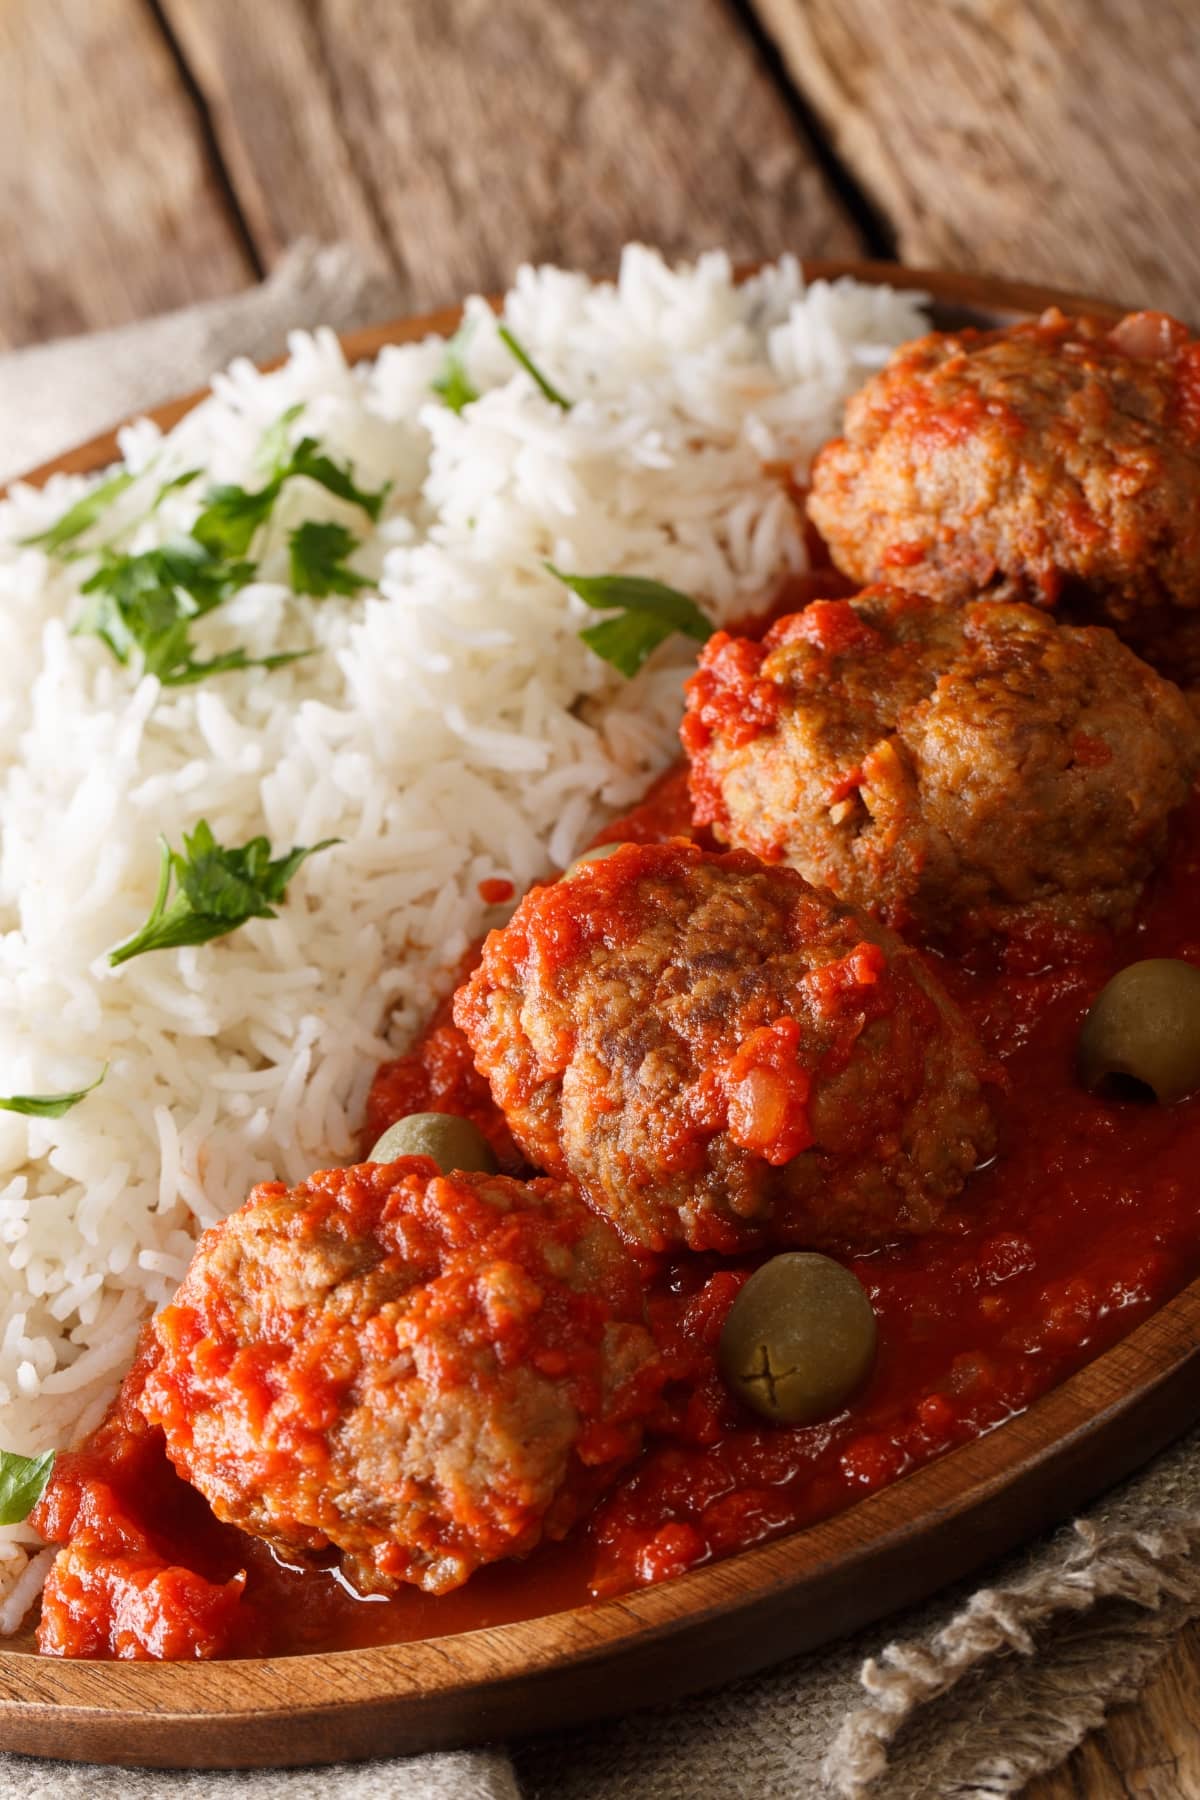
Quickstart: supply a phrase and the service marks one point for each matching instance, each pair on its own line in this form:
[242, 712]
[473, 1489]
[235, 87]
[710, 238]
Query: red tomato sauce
[1086, 1220]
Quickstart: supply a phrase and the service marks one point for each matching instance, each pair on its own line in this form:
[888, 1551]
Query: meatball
[724, 1058]
[1061, 454]
[956, 770]
[425, 1372]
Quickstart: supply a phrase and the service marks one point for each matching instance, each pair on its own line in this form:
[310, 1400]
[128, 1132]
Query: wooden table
[155, 152]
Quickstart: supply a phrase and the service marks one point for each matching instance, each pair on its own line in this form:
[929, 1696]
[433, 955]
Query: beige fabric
[973, 1693]
[56, 395]
[457, 1775]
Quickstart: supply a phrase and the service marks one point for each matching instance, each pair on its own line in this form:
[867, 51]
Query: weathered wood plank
[1150, 1749]
[1050, 139]
[110, 205]
[455, 138]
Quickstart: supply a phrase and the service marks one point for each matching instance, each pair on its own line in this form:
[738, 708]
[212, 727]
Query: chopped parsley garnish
[518, 350]
[648, 613]
[317, 555]
[184, 479]
[309, 460]
[23, 1481]
[452, 384]
[83, 515]
[232, 515]
[49, 1106]
[216, 890]
[150, 602]
[275, 444]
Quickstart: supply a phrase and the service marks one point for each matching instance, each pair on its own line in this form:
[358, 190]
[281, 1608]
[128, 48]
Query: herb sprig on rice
[148, 602]
[216, 890]
[647, 614]
[49, 1106]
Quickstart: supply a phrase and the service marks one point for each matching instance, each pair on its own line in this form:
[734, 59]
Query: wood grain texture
[1150, 1749]
[1049, 138]
[110, 206]
[455, 138]
[701, 1628]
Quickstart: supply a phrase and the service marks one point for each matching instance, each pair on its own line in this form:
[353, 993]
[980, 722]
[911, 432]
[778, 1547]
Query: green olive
[799, 1339]
[453, 1143]
[597, 853]
[1142, 1033]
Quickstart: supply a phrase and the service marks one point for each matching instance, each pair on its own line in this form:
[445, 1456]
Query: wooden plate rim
[1047, 1452]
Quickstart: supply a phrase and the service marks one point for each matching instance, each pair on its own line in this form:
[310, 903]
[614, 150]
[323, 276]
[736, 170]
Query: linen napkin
[56, 395]
[967, 1696]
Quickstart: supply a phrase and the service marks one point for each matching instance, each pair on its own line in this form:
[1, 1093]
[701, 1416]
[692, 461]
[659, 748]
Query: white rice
[451, 727]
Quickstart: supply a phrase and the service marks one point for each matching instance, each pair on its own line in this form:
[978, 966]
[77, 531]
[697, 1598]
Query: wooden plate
[699, 1629]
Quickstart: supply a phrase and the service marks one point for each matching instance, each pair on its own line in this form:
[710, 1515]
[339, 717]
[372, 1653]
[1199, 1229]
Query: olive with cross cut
[799, 1339]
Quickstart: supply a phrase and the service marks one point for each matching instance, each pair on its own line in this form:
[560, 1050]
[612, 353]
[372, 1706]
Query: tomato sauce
[1086, 1220]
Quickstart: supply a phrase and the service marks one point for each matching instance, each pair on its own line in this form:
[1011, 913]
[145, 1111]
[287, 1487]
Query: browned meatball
[720, 1056]
[425, 1372]
[1064, 453]
[960, 770]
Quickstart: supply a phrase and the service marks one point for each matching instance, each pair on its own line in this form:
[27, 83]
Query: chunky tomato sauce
[1087, 1219]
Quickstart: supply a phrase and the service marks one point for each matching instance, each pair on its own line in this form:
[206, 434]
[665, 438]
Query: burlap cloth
[969, 1695]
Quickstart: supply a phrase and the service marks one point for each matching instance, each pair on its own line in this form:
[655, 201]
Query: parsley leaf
[317, 558]
[275, 444]
[184, 479]
[232, 515]
[23, 1481]
[216, 890]
[49, 1106]
[452, 384]
[83, 515]
[522, 355]
[307, 459]
[148, 603]
[650, 612]
[187, 672]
